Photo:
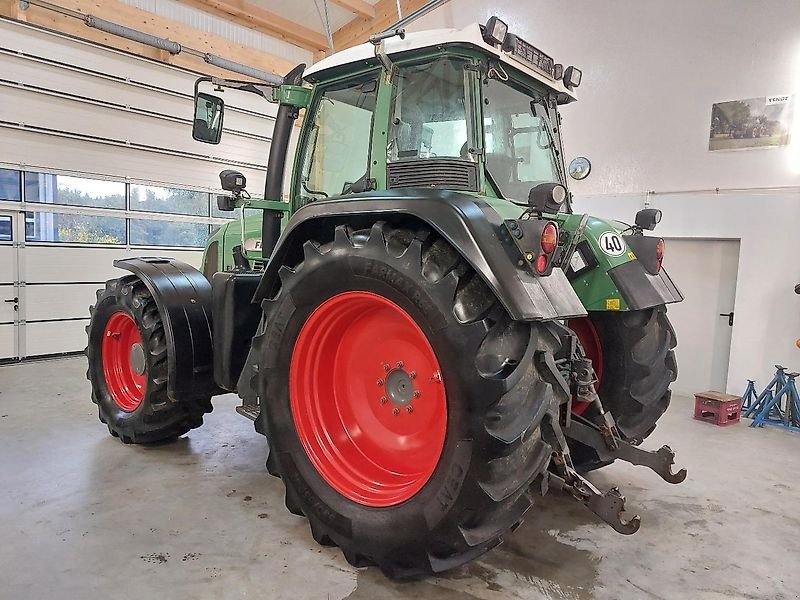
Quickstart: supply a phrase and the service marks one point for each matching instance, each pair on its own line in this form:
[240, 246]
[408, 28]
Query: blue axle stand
[769, 407]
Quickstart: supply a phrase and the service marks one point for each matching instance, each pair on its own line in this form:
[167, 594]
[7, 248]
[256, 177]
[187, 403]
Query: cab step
[249, 410]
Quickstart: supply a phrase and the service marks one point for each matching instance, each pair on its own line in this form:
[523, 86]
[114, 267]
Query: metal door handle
[12, 301]
[730, 317]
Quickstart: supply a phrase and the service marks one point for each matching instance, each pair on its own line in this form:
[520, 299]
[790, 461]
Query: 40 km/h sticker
[611, 243]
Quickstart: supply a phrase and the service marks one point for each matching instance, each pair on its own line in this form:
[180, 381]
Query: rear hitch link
[609, 506]
[659, 461]
[605, 439]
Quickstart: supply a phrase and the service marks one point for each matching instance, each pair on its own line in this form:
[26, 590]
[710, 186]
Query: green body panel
[230, 235]
[293, 95]
[595, 288]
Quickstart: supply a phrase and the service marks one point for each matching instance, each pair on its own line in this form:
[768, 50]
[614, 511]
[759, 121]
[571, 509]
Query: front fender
[183, 297]
[474, 228]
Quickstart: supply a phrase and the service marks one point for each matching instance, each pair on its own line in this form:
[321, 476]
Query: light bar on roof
[529, 54]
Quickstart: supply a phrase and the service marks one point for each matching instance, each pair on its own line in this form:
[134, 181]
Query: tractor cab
[471, 110]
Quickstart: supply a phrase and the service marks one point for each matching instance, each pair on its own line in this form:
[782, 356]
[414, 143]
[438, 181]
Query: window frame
[20, 185]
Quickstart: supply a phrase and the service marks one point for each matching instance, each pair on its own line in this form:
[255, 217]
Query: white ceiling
[305, 12]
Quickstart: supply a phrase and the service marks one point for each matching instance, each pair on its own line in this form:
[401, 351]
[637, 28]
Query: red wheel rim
[367, 399]
[124, 365]
[592, 348]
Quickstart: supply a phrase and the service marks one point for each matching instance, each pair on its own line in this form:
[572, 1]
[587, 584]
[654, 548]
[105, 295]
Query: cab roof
[364, 55]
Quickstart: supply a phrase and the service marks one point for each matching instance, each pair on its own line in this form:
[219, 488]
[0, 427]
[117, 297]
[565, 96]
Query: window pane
[520, 147]
[167, 233]
[149, 198]
[337, 148]
[9, 185]
[58, 227]
[73, 191]
[5, 229]
[429, 113]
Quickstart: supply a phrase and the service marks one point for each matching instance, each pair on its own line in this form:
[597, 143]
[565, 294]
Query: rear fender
[183, 297]
[474, 228]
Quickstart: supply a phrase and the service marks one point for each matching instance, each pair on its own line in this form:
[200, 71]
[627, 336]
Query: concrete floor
[82, 516]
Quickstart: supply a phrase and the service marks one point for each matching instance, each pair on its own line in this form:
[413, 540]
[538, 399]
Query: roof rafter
[147, 22]
[253, 16]
[359, 29]
[357, 7]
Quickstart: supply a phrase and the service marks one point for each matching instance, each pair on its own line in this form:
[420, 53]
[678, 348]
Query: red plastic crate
[717, 408]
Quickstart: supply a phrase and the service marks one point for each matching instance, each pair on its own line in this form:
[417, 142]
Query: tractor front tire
[637, 365]
[127, 355]
[403, 406]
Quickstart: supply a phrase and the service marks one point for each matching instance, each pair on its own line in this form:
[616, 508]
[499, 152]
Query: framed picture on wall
[751, 123]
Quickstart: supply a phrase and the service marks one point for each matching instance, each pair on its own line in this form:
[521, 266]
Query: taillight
[659, 253]
[541, 263]
[549, 239]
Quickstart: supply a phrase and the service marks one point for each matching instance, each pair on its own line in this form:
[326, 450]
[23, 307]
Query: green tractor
[426, 333]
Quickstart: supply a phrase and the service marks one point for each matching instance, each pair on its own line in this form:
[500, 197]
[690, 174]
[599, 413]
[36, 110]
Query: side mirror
[208, 113]
[579, 168]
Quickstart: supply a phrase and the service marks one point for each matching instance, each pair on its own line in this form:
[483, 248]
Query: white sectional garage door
[98, 163]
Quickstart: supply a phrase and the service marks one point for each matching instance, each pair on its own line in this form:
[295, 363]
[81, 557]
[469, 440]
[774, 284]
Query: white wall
[652, 70]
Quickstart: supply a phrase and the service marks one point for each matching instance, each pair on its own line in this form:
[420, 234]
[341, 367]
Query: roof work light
[495, 31]
[572, 77]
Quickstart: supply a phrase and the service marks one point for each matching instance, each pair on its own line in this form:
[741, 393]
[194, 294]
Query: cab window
[429, 112]
[336, 152]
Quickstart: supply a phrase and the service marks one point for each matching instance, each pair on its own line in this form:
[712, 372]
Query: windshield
[519, 143]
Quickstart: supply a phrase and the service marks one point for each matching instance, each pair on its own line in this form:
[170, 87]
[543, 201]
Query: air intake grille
[439, 173]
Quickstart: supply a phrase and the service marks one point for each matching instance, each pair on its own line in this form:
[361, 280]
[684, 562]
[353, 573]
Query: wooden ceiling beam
[359, 29]
[138, 19]
[254, 17]
[359, 8]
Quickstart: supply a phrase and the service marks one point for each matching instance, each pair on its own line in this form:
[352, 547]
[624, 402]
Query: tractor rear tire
[637, 367]
[403, 407]
[127, 355]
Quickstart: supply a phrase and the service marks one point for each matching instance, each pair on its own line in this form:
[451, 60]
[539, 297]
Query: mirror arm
[260, 89]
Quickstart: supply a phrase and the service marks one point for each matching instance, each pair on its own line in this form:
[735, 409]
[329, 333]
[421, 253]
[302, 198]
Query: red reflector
[549, 238]
[660, 253]
[541, 264]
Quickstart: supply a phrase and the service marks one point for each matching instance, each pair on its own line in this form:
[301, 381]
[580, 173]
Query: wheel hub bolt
[400, 364]
[396, 411]
[409, 408]
[380, 381]
[417, 393]
[384, 400]
[386, 367]
[413, 374]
